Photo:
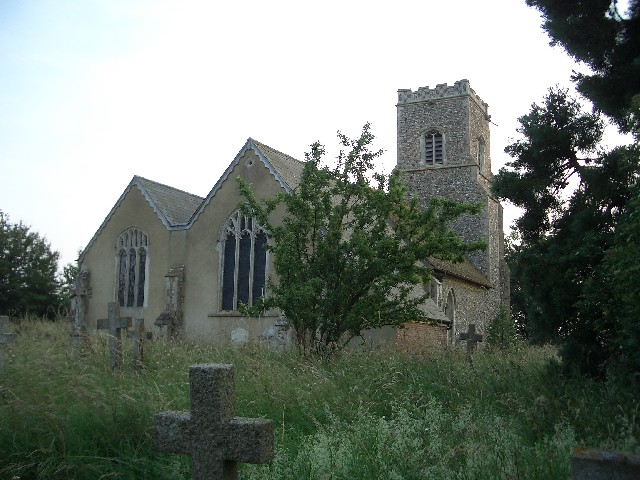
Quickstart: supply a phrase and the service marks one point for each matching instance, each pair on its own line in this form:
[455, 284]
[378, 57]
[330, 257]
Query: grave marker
[591, 464]
[211, 434]
[6, 337]
[138, 336]
[114, 324]
[472, 339]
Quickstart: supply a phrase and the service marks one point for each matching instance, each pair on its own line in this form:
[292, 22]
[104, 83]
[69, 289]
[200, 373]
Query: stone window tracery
[132, 262]
[244, 262]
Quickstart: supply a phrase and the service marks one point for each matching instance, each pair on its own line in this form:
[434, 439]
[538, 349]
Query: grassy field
[360, 416]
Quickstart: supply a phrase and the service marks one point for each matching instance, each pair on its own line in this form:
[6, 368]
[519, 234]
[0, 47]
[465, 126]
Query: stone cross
[114, 324]
[592, 464]
[138, 336]
[211, 434]
[472, 339]
[5, 337]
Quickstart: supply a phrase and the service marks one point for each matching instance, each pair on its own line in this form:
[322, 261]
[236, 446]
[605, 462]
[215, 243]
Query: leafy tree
[349, 251]
[28, 283]
[501, 332]
[598, 34]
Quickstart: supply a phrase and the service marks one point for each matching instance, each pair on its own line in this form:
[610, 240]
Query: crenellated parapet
[459, 88]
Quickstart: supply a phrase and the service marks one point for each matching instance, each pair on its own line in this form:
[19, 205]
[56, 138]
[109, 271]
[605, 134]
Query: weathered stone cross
[138, 343]
[5, 337]
[114, 324]
[472, 339]
[211, 434]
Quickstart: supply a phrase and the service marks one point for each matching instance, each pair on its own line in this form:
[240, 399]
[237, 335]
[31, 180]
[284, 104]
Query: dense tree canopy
[606, 39]
[350, 250]
[28, 282]
[571, 283]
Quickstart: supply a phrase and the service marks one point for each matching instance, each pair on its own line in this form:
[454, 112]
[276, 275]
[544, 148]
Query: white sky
[93, 92]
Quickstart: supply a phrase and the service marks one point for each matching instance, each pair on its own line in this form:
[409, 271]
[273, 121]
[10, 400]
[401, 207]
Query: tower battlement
[442, 90]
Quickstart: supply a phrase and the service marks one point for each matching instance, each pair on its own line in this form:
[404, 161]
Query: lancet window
[244, 262]
[132, 249]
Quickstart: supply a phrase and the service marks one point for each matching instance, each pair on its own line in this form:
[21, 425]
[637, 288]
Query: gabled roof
[174, 207]
[284, 168]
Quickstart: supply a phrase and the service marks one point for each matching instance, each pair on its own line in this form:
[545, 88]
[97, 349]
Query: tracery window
[132, 261]
[244, 262]
[434, 148]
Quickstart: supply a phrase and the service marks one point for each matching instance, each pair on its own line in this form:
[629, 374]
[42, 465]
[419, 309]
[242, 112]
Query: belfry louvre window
[132, 259]
[434, 148]
[244, 262]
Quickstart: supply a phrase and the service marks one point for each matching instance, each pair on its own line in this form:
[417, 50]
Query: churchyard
[69, 414]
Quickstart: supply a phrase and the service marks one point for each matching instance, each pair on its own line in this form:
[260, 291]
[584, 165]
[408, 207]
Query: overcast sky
[93, 92]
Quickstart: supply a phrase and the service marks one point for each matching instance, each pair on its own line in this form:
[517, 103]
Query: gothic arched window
[450, 313]
[244, 262]
[132, 261]
[434, 148]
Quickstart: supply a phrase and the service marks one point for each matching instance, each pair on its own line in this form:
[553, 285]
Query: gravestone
[114, 324]
[591, 464]
[138, 335]
[6, 337]
[211, 434]
[78, 311]
[472, 339]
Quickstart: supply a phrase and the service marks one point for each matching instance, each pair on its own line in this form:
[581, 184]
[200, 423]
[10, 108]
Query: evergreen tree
[577, 197]
[606, 39]
[28, 282]
[349, 252]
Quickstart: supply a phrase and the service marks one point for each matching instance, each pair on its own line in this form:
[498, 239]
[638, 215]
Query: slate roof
[176, 206]
[288, 168]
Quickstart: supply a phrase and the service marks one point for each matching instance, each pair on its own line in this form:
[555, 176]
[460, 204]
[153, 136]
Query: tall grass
[375, 415]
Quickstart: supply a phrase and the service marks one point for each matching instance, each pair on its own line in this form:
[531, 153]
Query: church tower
[443, 151]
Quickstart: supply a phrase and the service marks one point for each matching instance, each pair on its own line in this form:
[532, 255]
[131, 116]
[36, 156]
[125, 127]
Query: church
[184, 263]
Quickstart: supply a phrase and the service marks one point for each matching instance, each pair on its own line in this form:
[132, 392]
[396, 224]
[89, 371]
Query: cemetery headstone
[114, 324]
[6, 337]
[472, 338]
[211, 434]
[592, 464]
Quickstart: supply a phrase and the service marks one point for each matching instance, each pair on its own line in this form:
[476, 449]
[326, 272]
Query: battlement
[442, 90]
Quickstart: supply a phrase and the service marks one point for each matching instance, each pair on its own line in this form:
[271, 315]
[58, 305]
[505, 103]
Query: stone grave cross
[472, 339]
[5, 337]
[211, 434]
[139, 336]
[114, 324]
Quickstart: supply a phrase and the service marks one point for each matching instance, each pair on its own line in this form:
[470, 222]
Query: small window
[132, 260]
[481, 154]
[434, 148]
[244, 262]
